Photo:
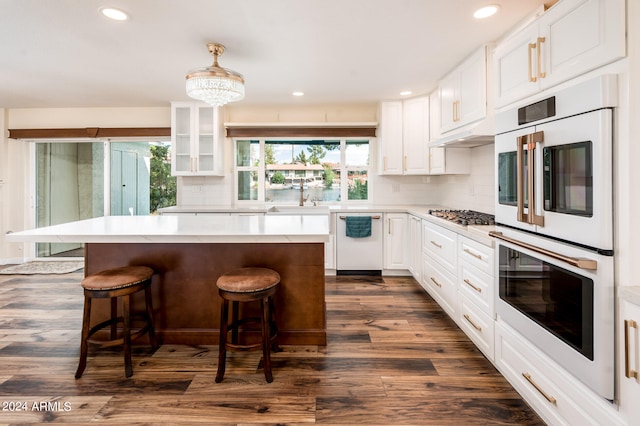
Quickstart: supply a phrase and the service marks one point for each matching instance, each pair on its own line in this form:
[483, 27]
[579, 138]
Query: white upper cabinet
[463, 93]
[571, 38]
[415, 125]
[403, 135]
[390, 138]
[197, 139]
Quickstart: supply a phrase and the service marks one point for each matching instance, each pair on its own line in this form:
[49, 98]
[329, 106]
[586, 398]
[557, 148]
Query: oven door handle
[529, 141]
[573, 261]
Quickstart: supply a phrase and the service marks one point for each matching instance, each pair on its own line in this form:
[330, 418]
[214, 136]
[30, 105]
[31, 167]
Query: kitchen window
[329, 171]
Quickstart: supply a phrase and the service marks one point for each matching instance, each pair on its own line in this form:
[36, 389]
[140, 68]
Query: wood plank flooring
[393, 358]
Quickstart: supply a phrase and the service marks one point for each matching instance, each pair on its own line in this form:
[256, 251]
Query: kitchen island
[189, 253]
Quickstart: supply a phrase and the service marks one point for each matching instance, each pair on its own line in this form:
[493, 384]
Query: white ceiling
[64, 53]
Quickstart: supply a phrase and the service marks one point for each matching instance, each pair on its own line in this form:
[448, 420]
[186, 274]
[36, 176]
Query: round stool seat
[247, 285]
[116, 278]
[248, 280]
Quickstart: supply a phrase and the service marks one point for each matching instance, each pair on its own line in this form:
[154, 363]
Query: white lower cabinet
[440, 284]
[330, 246]
[630, 361]
[557, 397]
[477, 325]
[396, 253]
[440, 244]
[439, 260]
[415, 247]
[475, 293]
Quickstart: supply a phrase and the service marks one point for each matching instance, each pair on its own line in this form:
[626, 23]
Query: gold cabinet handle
[539, 42]
[436, 244]
[628, 372]
[389, 226]
[532, 78]
[435, 282]
[404, 163]
[549, 398]
[467, 282]
[473, 324]
[477, 256]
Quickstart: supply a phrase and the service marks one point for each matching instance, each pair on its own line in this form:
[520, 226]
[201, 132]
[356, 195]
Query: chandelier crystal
[215, 85]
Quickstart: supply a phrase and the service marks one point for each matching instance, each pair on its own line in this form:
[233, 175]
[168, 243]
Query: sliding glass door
[69, 187]
[72, 179]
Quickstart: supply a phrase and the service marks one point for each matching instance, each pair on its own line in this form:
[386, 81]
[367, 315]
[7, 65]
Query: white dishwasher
[359, 255]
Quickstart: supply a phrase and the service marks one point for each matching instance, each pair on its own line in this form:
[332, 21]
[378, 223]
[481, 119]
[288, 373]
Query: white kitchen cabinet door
[440, 244]
[330, 253]
[571, 38]
[197, 139]
[463, 93]
[514, 67]
[390, 136]
[415, 136]
[472, 105]
[395, 241]
[434, 116]
[415, 247]
[630, 361]
[582, 35]
[448, 96]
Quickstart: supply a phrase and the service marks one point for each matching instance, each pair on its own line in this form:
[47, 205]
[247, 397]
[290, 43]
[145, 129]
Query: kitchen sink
[291, 209]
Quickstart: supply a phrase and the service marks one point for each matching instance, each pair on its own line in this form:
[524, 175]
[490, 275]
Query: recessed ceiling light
[115, 14]
[405, 93]
[486, 11]
[298, 93]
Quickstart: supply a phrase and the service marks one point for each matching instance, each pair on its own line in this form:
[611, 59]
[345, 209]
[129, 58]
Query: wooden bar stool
[246, 285]
[114, 284]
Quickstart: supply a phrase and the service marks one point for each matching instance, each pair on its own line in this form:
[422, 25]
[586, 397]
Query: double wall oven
[555, 243]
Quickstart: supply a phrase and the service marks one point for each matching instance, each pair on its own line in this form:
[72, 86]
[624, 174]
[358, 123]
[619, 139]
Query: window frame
[344, 169]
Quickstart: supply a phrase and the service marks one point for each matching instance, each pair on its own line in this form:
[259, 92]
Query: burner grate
[465, 217]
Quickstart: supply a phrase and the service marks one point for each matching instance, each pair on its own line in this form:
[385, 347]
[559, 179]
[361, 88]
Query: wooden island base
[185, 297]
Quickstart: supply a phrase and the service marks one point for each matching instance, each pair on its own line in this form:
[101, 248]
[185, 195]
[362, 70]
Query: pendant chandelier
[215, 85]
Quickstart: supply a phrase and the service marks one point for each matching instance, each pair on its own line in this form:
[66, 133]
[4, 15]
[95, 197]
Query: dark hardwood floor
[393, 358]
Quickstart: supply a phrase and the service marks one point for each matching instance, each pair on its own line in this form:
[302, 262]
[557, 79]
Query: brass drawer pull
[628, 372]
[435, 282]
[478, 289]
[436, 244]
[473, 324]
[477, 256]
[551, 399]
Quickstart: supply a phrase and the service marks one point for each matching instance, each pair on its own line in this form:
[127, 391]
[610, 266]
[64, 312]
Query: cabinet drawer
[556, 396]
[477, 325]
[441, 284]
[440, 244]
[476, 254]
[478, 286]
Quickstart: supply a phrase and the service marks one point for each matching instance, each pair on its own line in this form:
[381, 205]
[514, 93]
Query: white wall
[13, 200]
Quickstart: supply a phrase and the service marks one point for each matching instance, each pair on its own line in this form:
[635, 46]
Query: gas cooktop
[465, 217]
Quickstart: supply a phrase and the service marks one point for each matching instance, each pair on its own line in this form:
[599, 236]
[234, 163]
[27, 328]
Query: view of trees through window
[162, 186]
[327, 170]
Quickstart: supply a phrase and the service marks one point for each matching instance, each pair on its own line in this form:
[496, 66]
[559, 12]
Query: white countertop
[479, 233]
[184, 229]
